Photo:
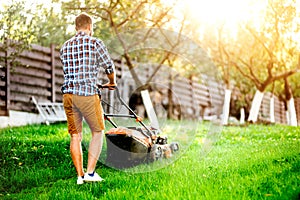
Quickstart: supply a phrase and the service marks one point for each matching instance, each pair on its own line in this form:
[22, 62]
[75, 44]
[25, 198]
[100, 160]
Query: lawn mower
[131, 146]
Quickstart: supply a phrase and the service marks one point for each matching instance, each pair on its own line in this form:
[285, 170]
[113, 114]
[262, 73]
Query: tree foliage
[17, 29]
[269, 52]
[262, 51]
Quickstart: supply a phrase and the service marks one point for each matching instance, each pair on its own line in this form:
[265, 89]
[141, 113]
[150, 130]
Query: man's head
[83, 22]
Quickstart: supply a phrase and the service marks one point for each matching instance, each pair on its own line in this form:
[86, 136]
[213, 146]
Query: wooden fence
[279, 109]
[38, 72]
[191, 98]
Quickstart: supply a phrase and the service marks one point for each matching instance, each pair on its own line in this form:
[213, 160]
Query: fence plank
[36, 55]
[34, 64]
[29, 90]
[30, 71]
[45, 50]
[30, 81]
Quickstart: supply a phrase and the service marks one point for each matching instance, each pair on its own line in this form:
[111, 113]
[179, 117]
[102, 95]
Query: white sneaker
[80, 180]
[94, 178]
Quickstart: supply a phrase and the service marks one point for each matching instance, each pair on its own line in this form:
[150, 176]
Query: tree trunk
[255, 106]
[287, 116]
[291, 111]
[242, 118]
[226, 107]
[132, 71]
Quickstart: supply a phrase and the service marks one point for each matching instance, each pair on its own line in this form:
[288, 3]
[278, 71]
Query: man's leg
[74, 120]
[94, 151]
[91, 109]
[76, 153]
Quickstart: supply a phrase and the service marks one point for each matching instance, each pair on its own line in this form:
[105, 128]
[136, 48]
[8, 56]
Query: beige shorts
[87, 107]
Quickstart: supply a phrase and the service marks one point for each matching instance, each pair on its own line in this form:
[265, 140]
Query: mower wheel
[156, 152]
[174, 147]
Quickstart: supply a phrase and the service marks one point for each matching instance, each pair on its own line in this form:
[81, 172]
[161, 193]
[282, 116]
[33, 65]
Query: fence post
[53, 97]
[7, 75]
[170, 97]
[193, 100]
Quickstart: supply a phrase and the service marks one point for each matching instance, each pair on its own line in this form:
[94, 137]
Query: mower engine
[128, 147]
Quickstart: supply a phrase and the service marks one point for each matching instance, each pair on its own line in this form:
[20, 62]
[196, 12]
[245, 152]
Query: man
[82, 56]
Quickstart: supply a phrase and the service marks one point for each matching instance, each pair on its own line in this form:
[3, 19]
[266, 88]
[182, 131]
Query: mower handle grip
[115, 88]
[105, 86]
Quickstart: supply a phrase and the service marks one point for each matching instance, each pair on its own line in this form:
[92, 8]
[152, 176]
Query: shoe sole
[80, 183]
[90, 181]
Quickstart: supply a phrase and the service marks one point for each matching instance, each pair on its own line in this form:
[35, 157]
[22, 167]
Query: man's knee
[98, 132]
[76, 137]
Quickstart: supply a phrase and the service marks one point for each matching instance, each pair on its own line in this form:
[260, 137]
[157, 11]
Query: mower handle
[130, 110]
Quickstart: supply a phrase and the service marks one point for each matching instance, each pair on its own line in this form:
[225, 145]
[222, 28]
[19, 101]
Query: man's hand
[112, 83]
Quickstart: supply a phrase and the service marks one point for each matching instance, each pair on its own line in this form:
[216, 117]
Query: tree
[265, 51]
[35, 22]
[216, 44]
[279, 47]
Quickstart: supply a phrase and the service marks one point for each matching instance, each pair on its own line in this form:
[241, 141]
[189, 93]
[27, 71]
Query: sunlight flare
[229, 14]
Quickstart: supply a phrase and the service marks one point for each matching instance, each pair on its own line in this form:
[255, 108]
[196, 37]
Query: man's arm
[107, 63]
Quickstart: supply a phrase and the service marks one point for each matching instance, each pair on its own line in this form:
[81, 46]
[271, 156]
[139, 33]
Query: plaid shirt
[81, 56]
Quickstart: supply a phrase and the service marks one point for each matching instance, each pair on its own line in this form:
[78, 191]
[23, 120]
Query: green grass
[253, 162]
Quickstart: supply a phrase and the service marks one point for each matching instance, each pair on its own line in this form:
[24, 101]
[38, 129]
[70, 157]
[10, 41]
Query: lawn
[232, 162]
